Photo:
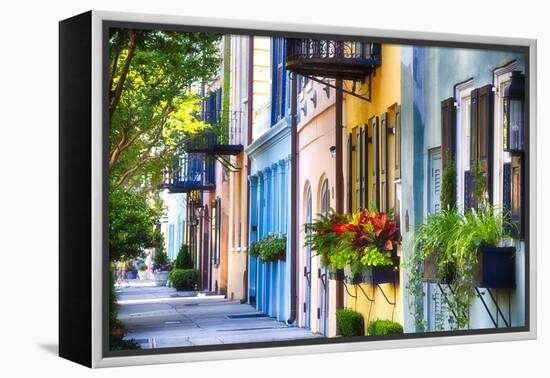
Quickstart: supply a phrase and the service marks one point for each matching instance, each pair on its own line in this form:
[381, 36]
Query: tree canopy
[154, 101]
[132, 223]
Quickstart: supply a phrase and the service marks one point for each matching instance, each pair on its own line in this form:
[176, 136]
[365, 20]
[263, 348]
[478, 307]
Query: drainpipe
[338, 171]
[250, 95]
[293, 199]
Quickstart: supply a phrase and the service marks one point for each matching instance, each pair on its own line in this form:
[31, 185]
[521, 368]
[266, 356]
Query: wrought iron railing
[348, 60]
[192, 171]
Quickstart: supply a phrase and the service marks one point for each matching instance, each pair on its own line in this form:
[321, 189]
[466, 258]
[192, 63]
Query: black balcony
[192, 172]
[219, 140]
[223, 137]
[346, 60]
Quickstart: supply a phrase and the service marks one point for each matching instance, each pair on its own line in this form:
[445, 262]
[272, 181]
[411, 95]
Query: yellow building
[372, 177]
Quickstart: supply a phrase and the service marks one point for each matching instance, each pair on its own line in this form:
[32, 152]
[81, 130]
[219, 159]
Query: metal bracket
[368, 77]
[227, 164]
[499, 311]
[385, 296]
[365, 293]
[347, 291]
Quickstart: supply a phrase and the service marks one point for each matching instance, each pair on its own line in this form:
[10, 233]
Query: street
[158, 317]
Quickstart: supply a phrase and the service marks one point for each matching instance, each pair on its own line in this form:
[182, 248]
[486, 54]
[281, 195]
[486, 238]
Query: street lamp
[514, 114]
[332, 150]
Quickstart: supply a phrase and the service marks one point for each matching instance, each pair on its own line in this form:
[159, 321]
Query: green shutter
[375, 183]
[397, 153]
[383, 150]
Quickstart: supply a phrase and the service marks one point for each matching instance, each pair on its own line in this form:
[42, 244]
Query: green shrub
[142, 267]
[184, 279]
[350, 323]
[161, 260]
[384, 327]
[183, 261]
[272, 247]
[254, 249]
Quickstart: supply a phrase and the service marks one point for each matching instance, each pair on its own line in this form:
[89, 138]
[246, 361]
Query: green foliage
[131, 225]
[161, 260]
[184, 279]
[454, 237]
[384, 327]
[142, 267]
[116, 328]
[321, 237]
[254, 249]
[184, 261]
[350, 323]
[480, 189]
[272, 247]
[152, 105]
[448, 184]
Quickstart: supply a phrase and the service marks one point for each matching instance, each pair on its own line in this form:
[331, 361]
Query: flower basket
[431, 271]
[495, 268]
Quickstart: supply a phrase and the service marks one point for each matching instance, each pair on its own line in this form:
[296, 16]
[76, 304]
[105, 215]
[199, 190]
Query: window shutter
[448, 130]
[375, 161]
[364, 166]
[383, 149]
[468, 190]
[474, 97]
[506, 191]
[485, 109]
[516, 194]
[350, 172]
[397, 149]
[358, 162]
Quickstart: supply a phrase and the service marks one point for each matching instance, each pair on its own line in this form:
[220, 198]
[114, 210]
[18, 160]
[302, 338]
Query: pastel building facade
[316, 188]
[269, 194]
[466, 85]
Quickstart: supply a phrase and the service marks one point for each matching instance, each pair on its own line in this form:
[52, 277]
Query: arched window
[325, 197]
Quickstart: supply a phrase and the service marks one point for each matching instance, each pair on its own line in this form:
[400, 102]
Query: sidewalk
[160, 317]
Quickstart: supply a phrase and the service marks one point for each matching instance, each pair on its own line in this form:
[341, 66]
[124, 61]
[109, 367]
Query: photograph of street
[272, 189]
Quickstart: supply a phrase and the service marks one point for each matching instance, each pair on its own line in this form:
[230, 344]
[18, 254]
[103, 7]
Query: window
[325, 197]
[463, 141]
[278, 86]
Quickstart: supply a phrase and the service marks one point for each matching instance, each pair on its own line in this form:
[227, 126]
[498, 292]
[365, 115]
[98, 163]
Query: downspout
[250, 95]
[293, 198]
[338, 171]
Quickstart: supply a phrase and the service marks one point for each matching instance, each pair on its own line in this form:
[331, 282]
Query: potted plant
[479, 239]
[161, 267]
[142, 271]
[321, 236]
[130, 272]
[272, 247]
[434, 247]
[367, 247]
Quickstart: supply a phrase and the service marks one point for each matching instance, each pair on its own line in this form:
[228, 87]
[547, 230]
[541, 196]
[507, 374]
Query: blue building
[453, 100]
[269, 153]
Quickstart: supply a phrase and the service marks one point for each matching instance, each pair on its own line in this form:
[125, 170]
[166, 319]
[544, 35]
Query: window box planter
[374, 275]
[495, 268]
[431, 271]
[336, 274]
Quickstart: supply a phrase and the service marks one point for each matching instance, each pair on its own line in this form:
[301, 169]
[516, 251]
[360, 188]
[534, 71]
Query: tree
[132, 224]
[153, 105]
[183, 261]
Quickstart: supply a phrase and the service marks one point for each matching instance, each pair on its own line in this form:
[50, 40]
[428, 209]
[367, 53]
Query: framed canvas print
[233, 189]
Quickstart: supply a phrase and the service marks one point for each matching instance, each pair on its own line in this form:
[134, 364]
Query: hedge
[350, 323]
[184, 279]
[384, 327]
